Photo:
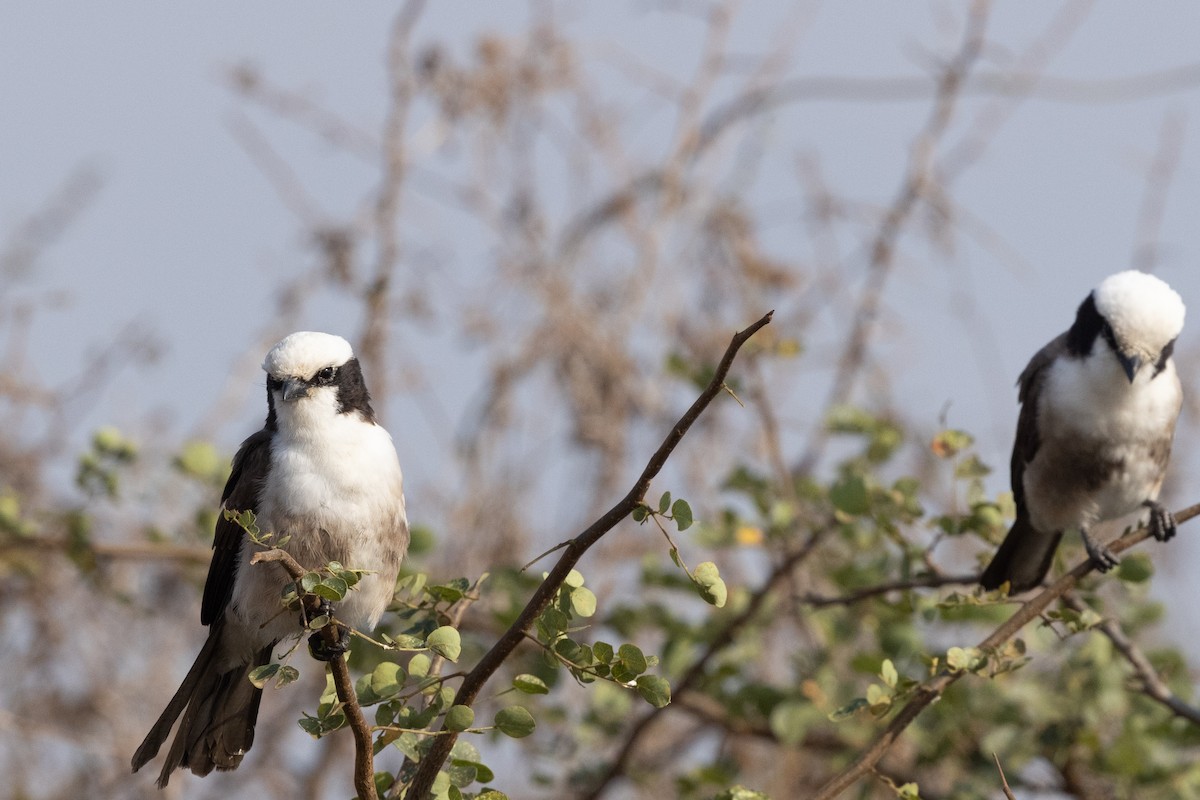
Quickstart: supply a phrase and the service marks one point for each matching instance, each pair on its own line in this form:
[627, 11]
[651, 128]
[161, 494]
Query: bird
[322, 472]
[1098, 410]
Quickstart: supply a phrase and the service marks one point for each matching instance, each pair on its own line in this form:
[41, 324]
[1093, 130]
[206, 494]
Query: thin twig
[131, 551]
[545, 593]
[925, 582]
[932, 689]
[1003, 780]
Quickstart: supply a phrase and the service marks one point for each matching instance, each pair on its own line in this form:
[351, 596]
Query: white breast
[335, 488]
[1089, 409]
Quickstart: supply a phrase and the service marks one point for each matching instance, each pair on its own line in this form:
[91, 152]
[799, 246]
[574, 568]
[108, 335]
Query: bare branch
[130, 551]
[1152, 684]
[1003, 780]
[924, 582]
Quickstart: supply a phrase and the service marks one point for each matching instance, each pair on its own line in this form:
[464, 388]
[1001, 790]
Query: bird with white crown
[323, 473]
[1098, 411]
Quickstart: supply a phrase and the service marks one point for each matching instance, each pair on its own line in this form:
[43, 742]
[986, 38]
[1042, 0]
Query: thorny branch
[544, 594]
[932, 689]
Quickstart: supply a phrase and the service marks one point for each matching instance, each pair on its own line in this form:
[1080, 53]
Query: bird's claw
[321, 645]
[1162, 521]
[322, 649]
[1103, 558]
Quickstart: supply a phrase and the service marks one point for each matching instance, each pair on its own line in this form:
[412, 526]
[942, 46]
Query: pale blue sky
[188, 238]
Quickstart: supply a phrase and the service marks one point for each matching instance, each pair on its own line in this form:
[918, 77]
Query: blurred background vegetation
[553, 242]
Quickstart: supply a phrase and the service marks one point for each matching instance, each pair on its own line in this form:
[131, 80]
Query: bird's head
[1137, 316]
[313, 373]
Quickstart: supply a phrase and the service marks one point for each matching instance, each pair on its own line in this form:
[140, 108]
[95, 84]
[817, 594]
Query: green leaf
[640, 513]
[530, 684]
[888, 673]
[418, 665]
[1135, 568]
[664, 502]
[515, 721]
[387, 679]
[740, 793]
[655, 690]
[631, 656]
[260, 675]
[849, 710]
[200, 460]
[849, 495]
[459, 718]
[960, 659]
[287, 674]
[332, 589]
[681, 512]
[583, 601]
[603, 652]
[574, 579]
[790, 720]
[383, 782]
[707, 579]
[446, 642]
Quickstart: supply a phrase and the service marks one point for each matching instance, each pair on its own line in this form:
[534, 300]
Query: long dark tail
[219, 711]
[1023, 558]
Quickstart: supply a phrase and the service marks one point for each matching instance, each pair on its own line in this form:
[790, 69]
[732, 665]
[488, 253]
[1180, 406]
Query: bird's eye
[326, 375]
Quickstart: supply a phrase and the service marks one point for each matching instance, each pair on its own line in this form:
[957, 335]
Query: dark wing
[1028, 439]
[250, 467]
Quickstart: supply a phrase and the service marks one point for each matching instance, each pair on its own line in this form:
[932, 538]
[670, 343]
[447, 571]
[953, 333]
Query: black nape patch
[352, 391]
[273, 385]
[1088, 325]
[1164, 357]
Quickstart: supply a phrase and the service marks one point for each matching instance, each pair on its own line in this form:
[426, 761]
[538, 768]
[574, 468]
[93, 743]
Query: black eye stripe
[325, 376]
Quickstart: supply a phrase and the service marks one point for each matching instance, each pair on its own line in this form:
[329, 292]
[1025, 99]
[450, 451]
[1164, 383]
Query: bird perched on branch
[323, 472]
[1098, 411]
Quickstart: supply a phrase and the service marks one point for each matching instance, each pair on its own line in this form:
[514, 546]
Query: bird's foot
[1162, 521]
[324, 648]
[1102, 557]
[332, 640]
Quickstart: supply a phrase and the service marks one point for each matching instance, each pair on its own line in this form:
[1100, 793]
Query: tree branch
[364, 754]
[545, 593]
[850, 598]
[689, 678]
[932, 689]
[1152, 684]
